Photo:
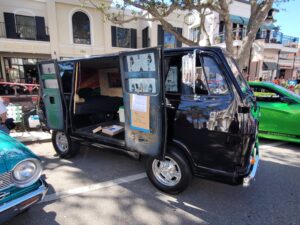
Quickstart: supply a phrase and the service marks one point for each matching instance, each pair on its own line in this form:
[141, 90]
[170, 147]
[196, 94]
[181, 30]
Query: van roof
[166, 50]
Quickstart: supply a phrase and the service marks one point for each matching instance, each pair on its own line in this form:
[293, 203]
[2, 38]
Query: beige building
[33, 30]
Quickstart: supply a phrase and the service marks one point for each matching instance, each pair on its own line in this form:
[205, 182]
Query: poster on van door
[141, 62]
[140, 112]
[142, 85]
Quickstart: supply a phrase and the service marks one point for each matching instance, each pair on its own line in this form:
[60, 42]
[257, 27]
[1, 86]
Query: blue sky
[288, 18]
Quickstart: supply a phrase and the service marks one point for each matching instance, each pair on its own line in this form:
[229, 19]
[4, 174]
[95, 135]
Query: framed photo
[114, 80]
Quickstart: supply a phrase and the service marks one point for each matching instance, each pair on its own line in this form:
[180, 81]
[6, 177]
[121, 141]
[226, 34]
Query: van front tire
[173, 175]
[63, 145]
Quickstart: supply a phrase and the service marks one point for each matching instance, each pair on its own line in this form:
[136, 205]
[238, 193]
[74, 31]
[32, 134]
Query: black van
[189, 110]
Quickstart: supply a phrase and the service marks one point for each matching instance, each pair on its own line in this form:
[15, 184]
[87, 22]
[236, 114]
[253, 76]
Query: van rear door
[144, 101]
[51, 92]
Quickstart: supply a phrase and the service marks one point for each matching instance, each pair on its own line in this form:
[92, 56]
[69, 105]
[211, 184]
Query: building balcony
[280, 38]
[26, 42]
[25, 32]
[272, 40]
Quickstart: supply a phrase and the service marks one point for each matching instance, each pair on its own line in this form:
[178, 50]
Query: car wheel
[172, 175]
[63, 145]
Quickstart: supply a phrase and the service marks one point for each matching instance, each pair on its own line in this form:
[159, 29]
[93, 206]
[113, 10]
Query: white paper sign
[139, 103]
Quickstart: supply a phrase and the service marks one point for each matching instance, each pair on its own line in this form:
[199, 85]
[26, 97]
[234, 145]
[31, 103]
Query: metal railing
[25, 32]
[271, 37]
[238, 34]
[280, 38]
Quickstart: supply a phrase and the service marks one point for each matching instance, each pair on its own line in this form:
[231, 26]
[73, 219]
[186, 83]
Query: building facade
[33, 30]
[273, 54]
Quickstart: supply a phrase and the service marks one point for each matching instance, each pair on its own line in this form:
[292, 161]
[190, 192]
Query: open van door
[144, 101]
[51, 93]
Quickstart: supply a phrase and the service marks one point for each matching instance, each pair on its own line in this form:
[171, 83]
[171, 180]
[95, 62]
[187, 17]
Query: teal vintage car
[21, 184]
[280, 112]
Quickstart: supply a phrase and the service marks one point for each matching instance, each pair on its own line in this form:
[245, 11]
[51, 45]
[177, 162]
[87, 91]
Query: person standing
[3, 118]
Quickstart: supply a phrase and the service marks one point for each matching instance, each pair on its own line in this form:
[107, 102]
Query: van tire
[63, 145]
[179, 165]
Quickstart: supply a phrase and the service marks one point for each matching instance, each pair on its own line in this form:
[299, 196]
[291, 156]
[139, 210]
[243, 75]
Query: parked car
[280, 112]
[172, 112]
[21, 184]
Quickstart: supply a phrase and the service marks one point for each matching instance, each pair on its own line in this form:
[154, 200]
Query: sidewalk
[32, 136]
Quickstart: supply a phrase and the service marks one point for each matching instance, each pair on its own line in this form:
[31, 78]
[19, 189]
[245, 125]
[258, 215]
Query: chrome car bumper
[16, 206]
[247, 180]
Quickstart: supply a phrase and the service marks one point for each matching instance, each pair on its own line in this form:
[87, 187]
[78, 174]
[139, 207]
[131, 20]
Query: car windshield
[288, 91]
[238, 76]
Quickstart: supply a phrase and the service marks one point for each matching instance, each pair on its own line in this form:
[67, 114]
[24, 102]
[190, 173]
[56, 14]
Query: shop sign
[266, 75]
[286, 63]
[270, 58]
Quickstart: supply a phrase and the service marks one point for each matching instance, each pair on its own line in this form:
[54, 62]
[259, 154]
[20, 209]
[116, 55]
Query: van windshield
[238, 76]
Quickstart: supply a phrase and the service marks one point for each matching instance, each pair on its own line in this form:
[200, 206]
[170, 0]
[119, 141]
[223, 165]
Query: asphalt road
[105, 187]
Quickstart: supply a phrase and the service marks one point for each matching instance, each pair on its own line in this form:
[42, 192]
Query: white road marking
[93, 187]
[115, 182]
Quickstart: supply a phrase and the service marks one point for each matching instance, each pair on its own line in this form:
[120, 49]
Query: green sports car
[280, 112]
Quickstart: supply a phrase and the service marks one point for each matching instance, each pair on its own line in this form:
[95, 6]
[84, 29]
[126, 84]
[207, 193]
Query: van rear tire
[63, 145]
[173, 175]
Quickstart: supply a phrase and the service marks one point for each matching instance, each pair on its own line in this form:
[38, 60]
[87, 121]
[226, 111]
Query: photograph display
[142, 85]
[141, 62]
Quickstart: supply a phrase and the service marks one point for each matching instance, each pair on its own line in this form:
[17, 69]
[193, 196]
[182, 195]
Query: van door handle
[45, 95]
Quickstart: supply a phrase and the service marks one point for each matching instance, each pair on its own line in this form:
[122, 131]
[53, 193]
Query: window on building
[81, 28]
[167, 39]
[194, 33]
[123, 37]
[20, 70]
[26, 27]
[145, 38]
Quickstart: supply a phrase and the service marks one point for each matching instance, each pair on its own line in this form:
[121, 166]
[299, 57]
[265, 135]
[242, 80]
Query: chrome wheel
[62, 142]
[166, 172]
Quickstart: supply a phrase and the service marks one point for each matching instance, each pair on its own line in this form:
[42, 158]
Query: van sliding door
[144, 101]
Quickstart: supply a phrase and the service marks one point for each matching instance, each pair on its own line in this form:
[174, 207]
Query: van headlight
[26, 172]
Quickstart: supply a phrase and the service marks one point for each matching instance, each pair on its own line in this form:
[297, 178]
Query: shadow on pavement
[272, 199]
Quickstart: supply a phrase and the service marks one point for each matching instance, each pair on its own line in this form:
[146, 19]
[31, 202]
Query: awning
[239, 19]
[268, 26]
[269, 66]
[245, 21]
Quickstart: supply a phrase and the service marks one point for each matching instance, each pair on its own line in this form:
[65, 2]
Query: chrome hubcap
[62, 142]
[166, 172]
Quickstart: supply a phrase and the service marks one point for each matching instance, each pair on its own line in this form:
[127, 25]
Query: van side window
[193, 83]
[172, 80]
[200, 82]
[66, 74]
[214, 76]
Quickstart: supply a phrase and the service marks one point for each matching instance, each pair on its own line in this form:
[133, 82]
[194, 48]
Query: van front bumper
[250, 178]
[16, 206]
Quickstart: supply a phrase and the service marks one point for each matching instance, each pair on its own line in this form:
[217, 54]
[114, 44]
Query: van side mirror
[244, 109]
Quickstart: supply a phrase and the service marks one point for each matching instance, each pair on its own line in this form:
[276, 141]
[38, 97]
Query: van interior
[98, 96]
